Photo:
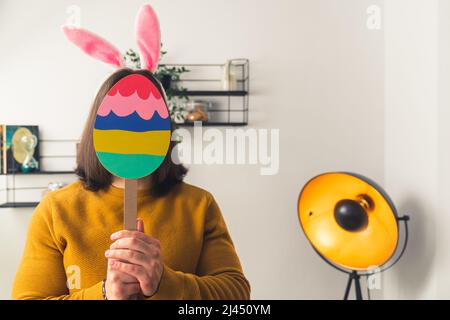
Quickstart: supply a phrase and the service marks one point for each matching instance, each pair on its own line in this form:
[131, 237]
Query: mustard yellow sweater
[70, 231]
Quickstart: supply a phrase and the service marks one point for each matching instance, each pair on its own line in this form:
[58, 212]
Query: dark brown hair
[89, 169]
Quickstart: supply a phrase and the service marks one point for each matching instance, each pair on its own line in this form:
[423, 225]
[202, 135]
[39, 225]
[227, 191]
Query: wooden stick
[130, 213]
[130, 204]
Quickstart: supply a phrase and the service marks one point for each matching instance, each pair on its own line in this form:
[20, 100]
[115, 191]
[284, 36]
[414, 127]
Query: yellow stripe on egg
[130, 142]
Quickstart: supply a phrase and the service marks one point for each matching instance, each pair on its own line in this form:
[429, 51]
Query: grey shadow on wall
[413, 270]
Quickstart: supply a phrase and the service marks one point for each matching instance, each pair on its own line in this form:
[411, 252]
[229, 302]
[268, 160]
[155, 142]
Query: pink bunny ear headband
[147, 39]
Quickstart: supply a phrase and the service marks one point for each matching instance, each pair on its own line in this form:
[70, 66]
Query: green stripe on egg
[130, 166]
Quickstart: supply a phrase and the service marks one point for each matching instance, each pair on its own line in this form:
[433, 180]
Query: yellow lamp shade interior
[373, 245]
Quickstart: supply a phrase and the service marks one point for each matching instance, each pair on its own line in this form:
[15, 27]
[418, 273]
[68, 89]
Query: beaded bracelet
[104, 290]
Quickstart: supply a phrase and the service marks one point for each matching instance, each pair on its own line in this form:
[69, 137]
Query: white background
[344, 98]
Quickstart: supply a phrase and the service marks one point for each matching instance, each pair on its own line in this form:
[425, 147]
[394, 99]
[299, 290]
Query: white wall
[417, 72]
[411, 138]
[317, 74]
[443, 217]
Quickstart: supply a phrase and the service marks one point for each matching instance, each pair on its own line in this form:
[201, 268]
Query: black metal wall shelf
[27, 204]
[213, 124]
[211, 93]
[18, 205]
[225, 86]
[19, 190]
[38, 172]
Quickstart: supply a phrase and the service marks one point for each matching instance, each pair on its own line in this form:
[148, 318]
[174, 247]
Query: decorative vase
[29, 142]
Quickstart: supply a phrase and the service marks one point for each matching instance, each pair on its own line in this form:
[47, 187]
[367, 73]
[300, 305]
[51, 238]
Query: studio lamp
[352, 224]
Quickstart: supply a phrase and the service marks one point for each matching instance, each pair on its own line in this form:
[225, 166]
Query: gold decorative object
[197, 111]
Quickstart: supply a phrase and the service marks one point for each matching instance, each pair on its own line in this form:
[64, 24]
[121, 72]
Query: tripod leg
[358, 291]
[349, 285]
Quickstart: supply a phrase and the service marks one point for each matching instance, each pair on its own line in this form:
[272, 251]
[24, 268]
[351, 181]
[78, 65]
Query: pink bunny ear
[93, 45]
[148, 37]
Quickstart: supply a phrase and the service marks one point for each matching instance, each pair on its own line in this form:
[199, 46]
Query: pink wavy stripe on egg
[124, 106]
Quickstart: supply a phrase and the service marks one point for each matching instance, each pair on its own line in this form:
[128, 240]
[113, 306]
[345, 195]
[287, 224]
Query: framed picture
[20, 148]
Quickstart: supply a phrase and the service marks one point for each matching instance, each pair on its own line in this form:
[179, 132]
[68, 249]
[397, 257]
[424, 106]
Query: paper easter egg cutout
[132, 128]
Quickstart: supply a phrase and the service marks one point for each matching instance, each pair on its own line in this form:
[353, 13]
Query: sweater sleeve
[41, 273]
[219, 273]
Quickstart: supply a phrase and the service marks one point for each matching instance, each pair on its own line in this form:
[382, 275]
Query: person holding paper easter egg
[130, 228]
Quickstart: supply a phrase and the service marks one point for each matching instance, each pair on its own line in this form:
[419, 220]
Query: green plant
[176, 97]
[173, 72]
[132, 59]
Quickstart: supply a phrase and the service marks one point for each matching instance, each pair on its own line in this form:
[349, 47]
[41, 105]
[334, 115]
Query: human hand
[119, 285]
[138, 256]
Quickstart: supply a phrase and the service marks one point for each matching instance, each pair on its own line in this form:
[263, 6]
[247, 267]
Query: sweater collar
[118, 192]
